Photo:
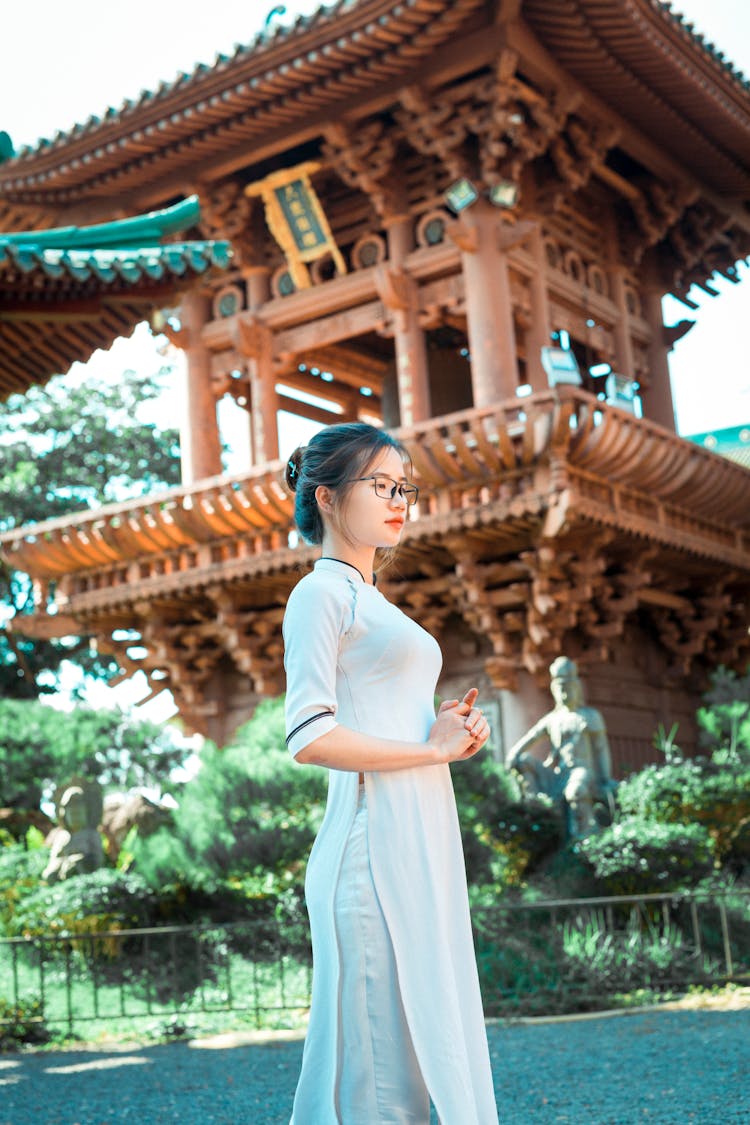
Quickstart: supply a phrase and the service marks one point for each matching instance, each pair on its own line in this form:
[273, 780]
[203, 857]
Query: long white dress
[353, 658]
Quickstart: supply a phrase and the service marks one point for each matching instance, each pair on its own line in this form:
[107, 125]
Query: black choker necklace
[330, 558]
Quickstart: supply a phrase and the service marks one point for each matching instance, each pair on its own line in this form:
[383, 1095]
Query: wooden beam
[330, 330]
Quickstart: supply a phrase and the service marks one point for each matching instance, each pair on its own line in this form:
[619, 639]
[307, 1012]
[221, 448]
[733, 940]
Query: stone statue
[577, 772]
[75, 845]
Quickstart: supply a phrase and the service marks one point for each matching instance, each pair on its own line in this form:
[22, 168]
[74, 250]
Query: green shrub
[725, 718]
[640, 956]
[20, 876]
[250, 810]
[641, 856]
[85, 904]
[694, 791]
[505, 838]
[21, 1023]
[41, 747]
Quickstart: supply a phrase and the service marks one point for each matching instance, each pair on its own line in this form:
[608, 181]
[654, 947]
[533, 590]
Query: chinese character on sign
[296, 219]
[298, 208]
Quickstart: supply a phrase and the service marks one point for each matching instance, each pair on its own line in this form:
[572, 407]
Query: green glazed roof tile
[141, 230]
[128, 249]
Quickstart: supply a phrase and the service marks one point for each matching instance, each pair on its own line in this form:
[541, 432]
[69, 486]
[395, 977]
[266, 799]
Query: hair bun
[294, 468]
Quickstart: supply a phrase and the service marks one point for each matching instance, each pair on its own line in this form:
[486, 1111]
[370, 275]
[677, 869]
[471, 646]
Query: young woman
[396, 1015]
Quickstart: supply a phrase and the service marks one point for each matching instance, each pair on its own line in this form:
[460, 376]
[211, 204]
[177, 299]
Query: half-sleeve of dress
[313, 627]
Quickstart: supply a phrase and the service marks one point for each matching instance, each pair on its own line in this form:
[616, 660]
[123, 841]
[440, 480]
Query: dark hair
[334, 457]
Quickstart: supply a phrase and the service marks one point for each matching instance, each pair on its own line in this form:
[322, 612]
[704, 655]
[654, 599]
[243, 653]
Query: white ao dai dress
[396, 1014]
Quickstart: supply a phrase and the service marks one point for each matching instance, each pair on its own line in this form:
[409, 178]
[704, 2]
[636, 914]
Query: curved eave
[645, 63]
[57, 308]
[275, 84]
[666, 486]
[135, 233]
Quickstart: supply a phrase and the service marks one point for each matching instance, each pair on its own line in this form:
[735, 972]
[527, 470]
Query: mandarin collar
[338, 566]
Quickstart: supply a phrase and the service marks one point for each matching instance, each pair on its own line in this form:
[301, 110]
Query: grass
[245, 994]
[531, 963]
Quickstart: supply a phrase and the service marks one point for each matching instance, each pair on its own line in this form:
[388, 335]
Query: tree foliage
[725, 717]
[64, 448]
[41, 748]
[250, 812]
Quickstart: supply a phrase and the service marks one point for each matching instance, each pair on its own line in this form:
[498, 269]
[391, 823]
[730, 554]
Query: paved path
[660, 1066]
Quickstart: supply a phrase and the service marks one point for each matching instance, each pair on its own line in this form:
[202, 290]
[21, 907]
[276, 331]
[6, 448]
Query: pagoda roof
[732, 442]
[646, 61]
[66, 291]
[643, 60]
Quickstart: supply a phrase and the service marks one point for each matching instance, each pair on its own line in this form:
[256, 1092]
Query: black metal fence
[582, 954]
[552, 955]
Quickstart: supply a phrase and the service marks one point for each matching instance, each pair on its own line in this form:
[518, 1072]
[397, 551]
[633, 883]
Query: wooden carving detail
[487, 129]
[228, 213]
[704, 242]
[435, 125]
[489, 615]
[658, 208]
[517, 126]
[252, 640]
[575, 153]
[364, 159]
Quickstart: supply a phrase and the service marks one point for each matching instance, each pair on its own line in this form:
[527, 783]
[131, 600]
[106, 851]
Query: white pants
[380, 1082]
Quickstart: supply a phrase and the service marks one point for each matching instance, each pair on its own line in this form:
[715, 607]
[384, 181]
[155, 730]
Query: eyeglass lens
[387, 489]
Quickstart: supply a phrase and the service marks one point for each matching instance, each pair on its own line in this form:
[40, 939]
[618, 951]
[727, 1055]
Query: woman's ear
[324, 499]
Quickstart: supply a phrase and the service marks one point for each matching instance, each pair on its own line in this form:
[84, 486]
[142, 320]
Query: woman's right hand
[451, 735]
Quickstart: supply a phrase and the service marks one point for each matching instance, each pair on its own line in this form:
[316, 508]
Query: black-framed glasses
[386, 488]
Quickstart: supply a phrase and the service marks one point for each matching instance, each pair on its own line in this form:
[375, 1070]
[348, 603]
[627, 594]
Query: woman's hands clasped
[460, 729]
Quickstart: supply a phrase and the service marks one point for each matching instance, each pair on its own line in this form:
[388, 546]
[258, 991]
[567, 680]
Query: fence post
[725, 936]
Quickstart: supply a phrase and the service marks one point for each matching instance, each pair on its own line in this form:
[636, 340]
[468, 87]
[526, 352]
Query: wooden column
[623, 342]
[540, 333]
[412, 372]
[657, 396]
[264, 430]
[489, 312]
[200, 446]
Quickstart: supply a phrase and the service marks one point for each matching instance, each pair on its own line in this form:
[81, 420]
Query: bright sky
[64, 61]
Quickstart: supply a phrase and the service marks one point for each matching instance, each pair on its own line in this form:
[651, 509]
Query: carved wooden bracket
[228, 213]
[364, 159]
[465, 236]
[251, 336]
[396, 289]
[575, 153]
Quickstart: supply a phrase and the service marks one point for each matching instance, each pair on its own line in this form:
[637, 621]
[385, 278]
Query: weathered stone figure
[75, 845]
[577, 772]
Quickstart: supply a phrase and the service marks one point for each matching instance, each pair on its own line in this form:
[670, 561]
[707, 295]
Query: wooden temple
[434, 206]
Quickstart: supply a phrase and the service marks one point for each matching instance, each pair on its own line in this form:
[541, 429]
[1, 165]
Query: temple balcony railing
[545, 524]
[552, 457]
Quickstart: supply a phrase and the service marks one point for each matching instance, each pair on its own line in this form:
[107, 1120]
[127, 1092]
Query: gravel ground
[658, 1066]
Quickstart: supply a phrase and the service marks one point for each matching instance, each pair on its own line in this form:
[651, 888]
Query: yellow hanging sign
[297, 220]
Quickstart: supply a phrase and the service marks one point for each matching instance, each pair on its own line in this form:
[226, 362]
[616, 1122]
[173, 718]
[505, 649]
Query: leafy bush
[505, 839]
[694, 791]
[20, 876]
[21, 1023]
[641, 856]
[725, 718]
[608, 962]
[85, 904]
[249, 811]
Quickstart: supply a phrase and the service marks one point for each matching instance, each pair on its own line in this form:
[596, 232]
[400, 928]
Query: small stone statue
[577, 772]
[75, 845]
